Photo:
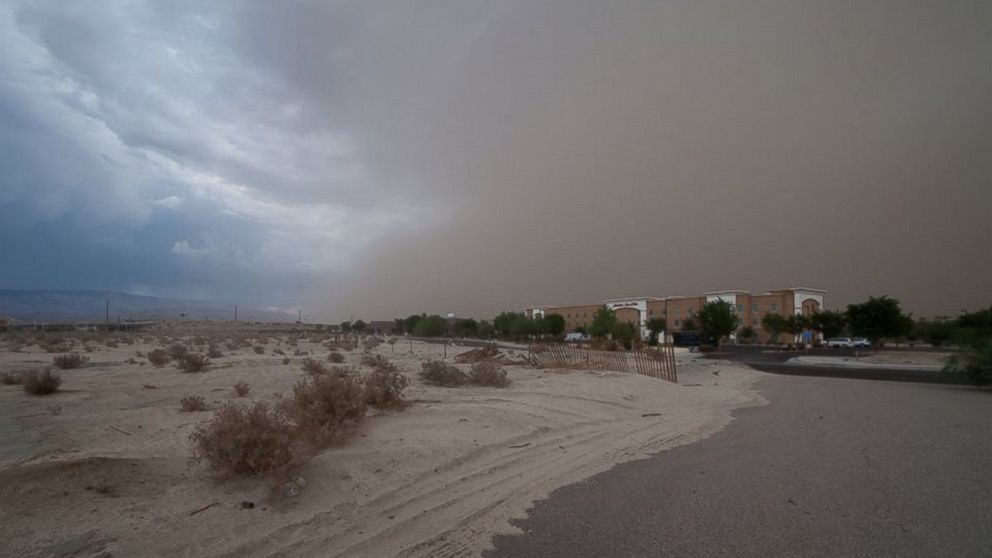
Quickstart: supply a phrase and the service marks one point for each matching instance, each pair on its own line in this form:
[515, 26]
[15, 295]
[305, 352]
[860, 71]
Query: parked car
[860, 342]
[840, 343]
[574, 337]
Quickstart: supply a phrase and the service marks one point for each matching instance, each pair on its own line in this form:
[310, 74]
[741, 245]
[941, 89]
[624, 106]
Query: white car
[840, 343]
[860, 342]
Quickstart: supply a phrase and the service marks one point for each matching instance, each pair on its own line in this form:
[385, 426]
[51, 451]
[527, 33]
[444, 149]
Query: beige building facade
[678, 310]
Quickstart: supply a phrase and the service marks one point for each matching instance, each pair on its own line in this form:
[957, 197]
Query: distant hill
[79, 306]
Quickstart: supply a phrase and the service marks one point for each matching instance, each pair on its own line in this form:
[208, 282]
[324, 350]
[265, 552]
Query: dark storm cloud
[390, 157]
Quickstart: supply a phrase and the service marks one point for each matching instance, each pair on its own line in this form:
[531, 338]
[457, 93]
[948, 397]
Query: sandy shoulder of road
[102, 465]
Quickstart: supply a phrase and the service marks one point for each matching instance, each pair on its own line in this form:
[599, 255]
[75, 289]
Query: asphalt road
[762, 358]
[831, 467]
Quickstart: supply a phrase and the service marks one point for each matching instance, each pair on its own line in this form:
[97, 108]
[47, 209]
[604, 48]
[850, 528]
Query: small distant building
[382, 327]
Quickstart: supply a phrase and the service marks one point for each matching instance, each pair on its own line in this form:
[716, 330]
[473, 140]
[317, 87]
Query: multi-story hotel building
[750, 308]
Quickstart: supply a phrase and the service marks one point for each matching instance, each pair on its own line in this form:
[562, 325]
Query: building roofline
[630, 298]
[732, 291]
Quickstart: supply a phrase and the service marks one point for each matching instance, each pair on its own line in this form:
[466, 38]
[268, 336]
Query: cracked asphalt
[831, 467]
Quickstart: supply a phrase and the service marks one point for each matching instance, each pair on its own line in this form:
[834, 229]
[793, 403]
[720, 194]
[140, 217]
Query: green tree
[624, 333]
[828, 322]
[655, 326]
[465, 328]
[602, 322]
[411, 321]
[555, 324]
[346, 326]
[974, 335]
[717, 320]
[431, 326]
[521, 326]
[774, 324]
[486, 329]
[689, 324]
[504, 320]
[878, 318]
[359, 326]
[746, 334]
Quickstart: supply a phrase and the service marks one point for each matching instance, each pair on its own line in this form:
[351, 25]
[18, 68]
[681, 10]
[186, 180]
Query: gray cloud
[386, 158]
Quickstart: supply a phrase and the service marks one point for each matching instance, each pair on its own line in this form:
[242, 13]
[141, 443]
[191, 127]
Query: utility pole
[235, 312]
[108, 315]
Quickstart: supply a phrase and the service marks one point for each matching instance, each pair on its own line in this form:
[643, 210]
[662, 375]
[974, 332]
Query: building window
[754, 321]
[676, 323]
[774, 307]
[650, 312]
[740, 308]
[754, 307]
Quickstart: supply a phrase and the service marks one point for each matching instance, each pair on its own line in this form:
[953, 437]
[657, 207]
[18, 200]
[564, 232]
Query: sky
[378, 159]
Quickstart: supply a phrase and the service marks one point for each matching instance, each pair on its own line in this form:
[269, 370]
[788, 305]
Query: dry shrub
[336, 358]
[370, 343]
[158, 357]
[278, 351]
[213, 351]
[192, 403]
[313, 366]
[41, 382]
[70, 360]
[242, 389]
[246, 440]
[259, 350]
[488, 374]
[193, 362]
[10, 378]
[384, 387]
[286, 360]
[438, 373]
[177, 351]
[324, 403]
[375, 361]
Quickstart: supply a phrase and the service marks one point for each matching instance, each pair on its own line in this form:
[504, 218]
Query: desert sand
[102, 467]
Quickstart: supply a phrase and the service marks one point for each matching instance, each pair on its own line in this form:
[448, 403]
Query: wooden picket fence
[657, 362]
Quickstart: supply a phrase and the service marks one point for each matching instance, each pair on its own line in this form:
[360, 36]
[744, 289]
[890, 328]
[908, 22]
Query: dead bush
[375, 361]
[213, 351]
[323, 404]
[259, 350]
[70, 360]
[10, 378]
[41, 382]
[158, 357]
[313, 366]
[286, 360]
[438, 373]
[193, 362]
[246, 440]
[192, 404]
[370, 343]
[488, 374]
[336, 358]
[242, 389]
[177, 351]
[384, 387]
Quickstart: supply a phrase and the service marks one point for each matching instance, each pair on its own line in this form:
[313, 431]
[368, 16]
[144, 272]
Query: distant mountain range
[80, 306]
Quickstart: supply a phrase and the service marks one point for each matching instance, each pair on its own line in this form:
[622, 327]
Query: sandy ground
[102, 466]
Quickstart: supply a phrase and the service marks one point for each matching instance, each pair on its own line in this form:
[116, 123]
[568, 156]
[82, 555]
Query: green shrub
[242, 389]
